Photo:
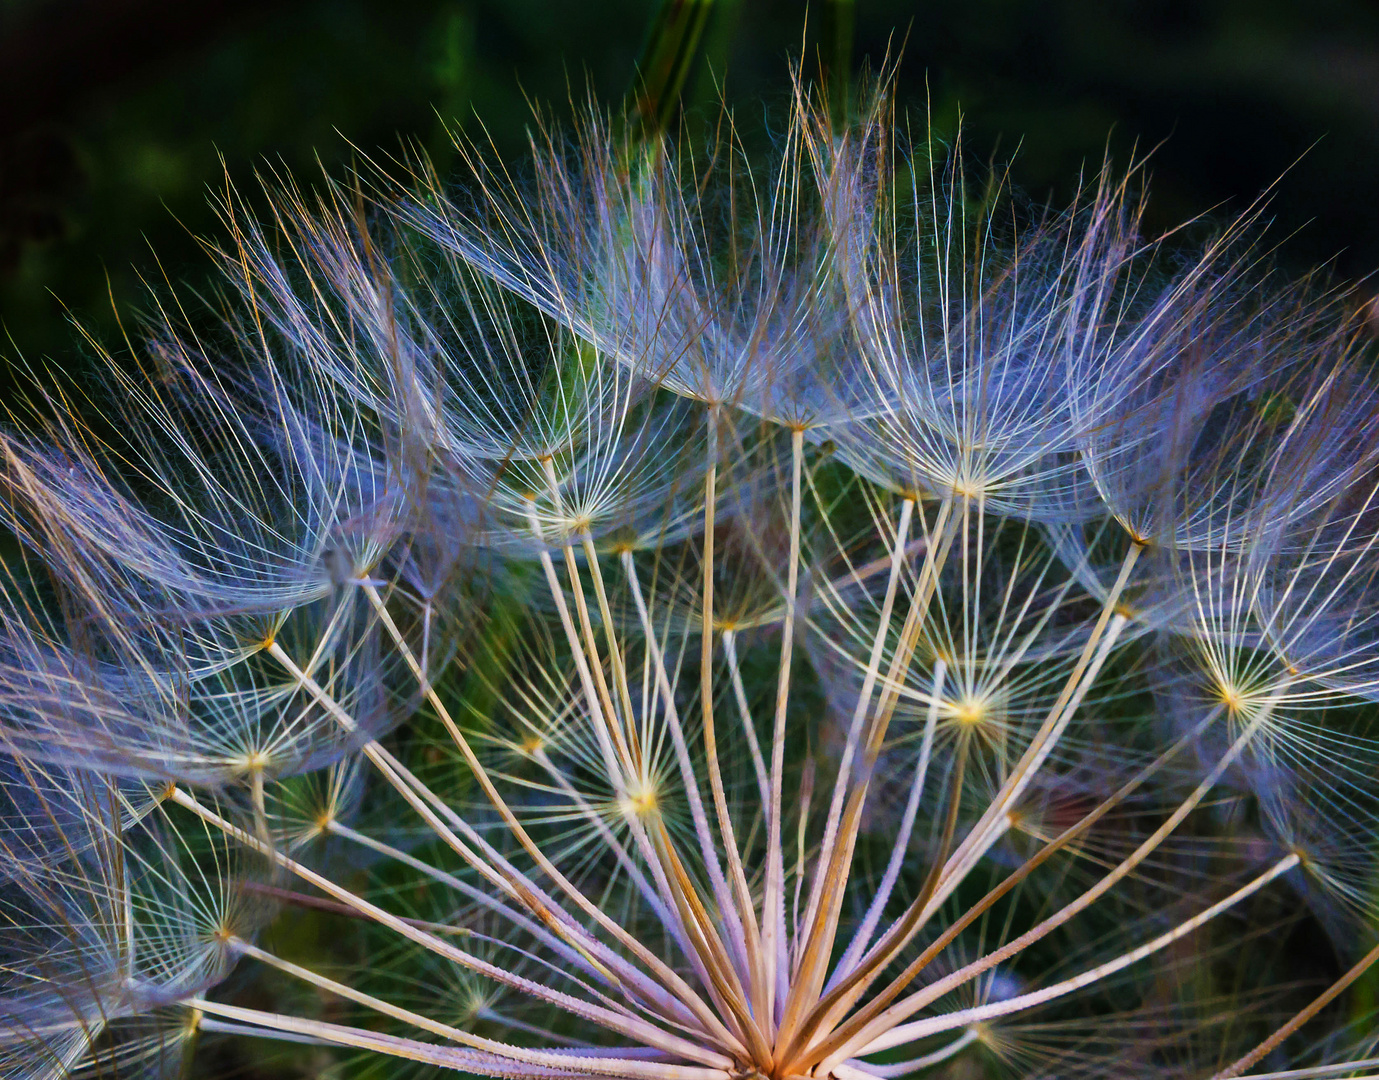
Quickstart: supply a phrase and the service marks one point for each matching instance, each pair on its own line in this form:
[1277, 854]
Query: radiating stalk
[619, 764]
[863, 700]
[383, 1008]
[251, 1031]
[902, 840]
[611, 842]
[864, 695]
[993, 825]
[749, 730]
[834, 860]
[495, 868]
[1320, 1072]
[830, 1009]
[686, 767]
[1061, 711]
[977, 1014]
[615, 655]
[756, 968]
[317, 903]
[810, 772]
[1305, 1014]
[773, 945]
[508, 1063]
[875, 1018]
[927, 1061]
[834, 1004]
[984, 833]
[594, 661]
[630, 1027]
[695, 941]
[513, 915]
[614, 763]
[256, 798]
[666, 976]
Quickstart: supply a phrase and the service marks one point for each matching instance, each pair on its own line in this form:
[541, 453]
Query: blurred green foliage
[115, 115]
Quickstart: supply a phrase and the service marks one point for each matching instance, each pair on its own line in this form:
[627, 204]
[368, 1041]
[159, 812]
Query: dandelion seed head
[686, 620]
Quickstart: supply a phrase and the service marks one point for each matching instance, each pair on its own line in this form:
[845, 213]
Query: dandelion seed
[685, 622]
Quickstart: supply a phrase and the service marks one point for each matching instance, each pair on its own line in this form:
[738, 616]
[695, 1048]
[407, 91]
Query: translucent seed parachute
[670, 619]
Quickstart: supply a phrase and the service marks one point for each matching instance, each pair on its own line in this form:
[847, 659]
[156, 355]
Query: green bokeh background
[115, 115]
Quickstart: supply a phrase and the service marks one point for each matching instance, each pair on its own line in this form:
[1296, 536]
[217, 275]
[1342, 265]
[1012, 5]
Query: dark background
[115, 114]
